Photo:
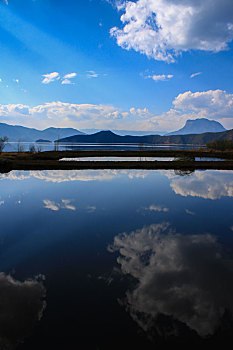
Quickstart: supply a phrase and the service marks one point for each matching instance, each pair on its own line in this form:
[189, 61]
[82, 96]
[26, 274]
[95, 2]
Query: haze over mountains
[199, 126]
[24, 134]
[21, 133]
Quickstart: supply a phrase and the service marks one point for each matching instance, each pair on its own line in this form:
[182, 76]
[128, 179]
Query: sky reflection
[22, 305]
[188, 278]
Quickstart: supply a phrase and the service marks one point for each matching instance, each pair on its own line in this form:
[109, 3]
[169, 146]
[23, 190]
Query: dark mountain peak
[105, 132]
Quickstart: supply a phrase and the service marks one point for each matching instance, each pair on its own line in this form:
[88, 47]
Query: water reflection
[59, 176]
[205, 184]
[56, 206]
[186, 278]
[22, 305]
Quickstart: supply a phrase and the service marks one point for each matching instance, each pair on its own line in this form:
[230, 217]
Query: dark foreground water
[116, 259]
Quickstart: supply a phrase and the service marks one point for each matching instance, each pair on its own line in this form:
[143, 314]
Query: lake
[50, 146]
[115, 259]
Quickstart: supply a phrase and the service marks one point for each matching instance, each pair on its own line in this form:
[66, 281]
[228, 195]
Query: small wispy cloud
[91, 209]
[162, 77]
[189, 212]
[64, 204]
[195, 74]
[49, 78]
[1, 203]
[157, 208]
[66, 79]
[16, 81]
[92, 74]
[0, 80]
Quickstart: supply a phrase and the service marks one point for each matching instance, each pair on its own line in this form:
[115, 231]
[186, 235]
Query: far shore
[49, 160]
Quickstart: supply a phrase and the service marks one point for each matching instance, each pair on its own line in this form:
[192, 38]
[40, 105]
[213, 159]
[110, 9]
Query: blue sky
[106, 64]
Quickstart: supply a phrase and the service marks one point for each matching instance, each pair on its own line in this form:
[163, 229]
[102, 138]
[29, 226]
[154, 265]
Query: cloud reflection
[22, 305]
[205, 184]
[55, 206]
[59, 176]
[187, 278]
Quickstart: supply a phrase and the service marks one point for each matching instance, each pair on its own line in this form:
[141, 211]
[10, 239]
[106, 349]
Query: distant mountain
[21, 133]
[199, 126]
[125, 132]
[43, 141]
[110, 137]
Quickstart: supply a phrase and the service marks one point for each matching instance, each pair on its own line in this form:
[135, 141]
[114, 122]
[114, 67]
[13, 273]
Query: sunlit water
[115, 259]
[128, 159]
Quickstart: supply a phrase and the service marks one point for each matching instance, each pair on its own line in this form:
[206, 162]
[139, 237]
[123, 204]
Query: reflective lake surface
[50, 146]
[115, 259]
[125, 159]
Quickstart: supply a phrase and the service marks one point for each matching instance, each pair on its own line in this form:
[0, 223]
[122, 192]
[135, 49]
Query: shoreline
[49, 160]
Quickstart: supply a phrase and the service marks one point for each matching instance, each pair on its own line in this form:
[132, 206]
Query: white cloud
[80, 116]
[49, 78]
[64, 204]
[22, 305]
[60, 176]
[70, 76]
[67, 82]
[195, 74]
[162, 77]
[0, 80]
[66, 79]
[212, 103]
[50, 205]
[92, 74]
[1, 203]
[175, 277]
[208, 185]
[162, 29]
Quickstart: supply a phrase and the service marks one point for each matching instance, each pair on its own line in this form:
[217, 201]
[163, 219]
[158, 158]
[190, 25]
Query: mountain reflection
[22, 305]
[205, 184]
[186, 278]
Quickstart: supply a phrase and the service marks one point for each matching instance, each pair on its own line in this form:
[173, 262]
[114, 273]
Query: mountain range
[110, 137]
[24, 134]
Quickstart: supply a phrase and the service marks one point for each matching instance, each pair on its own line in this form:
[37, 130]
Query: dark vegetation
[3, 141]
[220, 145]
[183, 160]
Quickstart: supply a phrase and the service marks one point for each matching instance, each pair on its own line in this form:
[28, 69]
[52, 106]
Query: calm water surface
[115, 259]
[127, 159]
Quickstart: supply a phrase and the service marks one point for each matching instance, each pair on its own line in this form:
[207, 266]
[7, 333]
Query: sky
[145, 65]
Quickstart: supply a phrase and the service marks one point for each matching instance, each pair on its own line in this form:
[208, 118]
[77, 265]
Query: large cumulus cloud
[214, 104]
[205, 184]
[162, 29]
